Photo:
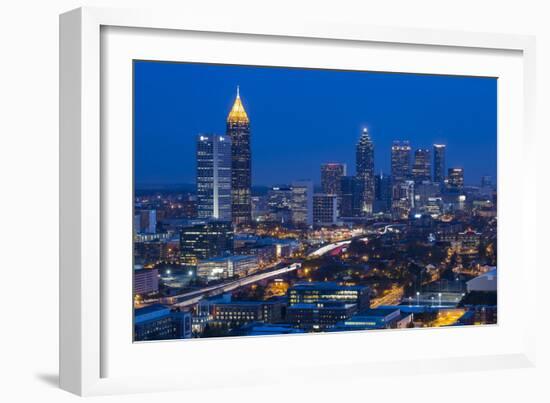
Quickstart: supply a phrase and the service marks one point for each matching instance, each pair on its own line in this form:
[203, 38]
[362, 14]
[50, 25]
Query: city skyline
[363, 251]
[177, 163]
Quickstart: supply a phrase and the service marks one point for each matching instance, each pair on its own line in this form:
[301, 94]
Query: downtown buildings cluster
[202, 257]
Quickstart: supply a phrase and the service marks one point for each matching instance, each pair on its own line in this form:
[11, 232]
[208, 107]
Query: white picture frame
[88, 313]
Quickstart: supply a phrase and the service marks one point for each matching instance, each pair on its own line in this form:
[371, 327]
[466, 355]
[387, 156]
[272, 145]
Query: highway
[193, 297]
[390, 297]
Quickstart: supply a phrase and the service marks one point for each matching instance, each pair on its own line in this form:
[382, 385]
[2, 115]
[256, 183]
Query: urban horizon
[467, 106]
[326, 244]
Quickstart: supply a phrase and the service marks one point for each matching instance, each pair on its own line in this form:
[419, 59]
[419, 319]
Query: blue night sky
[302, 118]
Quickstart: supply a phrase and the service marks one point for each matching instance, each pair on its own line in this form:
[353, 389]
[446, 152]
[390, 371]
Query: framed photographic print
[233, 190]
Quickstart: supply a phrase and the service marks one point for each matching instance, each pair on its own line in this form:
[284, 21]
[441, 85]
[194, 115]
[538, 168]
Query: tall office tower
[325, 209]
[400, 161]
[382, 193]
[455, 179]
[238, 130]
[421, 170]
[214, 176]
[403, 199]
[439, 163]
[279, 203]
[351, 195]
[331, 174]
[205, 240]
[302, 203]
[364, 159]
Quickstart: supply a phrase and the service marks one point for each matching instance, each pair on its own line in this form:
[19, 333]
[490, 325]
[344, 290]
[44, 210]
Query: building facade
[146, 281]
[400, 161]
[439, 162]
[314, 293]
[351, 196]
[214, 176]
[225, 267]
[325, 209]
[364, 159]
[331, 175]
[455, 179]
[158, 322]
[238, 130]
[421, 170]
[205, 240]
[302, 203]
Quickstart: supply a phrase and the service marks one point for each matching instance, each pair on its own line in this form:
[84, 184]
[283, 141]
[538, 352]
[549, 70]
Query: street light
[418, 298]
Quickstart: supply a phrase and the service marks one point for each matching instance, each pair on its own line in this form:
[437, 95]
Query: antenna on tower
[238, 95]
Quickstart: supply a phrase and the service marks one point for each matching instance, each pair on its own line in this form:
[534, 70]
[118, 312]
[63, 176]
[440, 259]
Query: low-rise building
[319, 316]
[237, 313]
[146, 281]
[315, 292]
[379, 318]
[226, 267]
[159, 322]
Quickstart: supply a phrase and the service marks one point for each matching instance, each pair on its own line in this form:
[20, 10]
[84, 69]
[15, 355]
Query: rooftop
[326, 285]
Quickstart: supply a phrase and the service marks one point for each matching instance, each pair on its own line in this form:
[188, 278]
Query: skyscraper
[302, 203]
[351, 195]
[400, 161]
[456, 179]
[238, 130]
[382, 193]
[421, 170]
[364, 158]
[325, 209]
[214, 176]
[439, 163]
[401, 174]
[331, 174]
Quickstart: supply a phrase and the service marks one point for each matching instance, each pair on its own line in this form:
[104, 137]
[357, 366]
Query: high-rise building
[302, 203]
[238, 130]
[382, 193]
[439, 163]
[205, 240]
[403, 199]
[421, 170]
[455, 179]
[351, 195]
[325, 209]
[400, 161]
[364, 159]
[331, 173]
[145, 221]
[279, 201]
[214, 176]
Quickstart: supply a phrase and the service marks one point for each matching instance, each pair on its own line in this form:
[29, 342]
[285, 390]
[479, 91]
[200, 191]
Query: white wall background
[29, 201]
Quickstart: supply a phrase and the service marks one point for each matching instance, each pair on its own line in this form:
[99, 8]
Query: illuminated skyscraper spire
[237, 113]
[238, 130]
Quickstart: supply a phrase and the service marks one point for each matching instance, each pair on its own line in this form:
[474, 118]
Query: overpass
[193, 297]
